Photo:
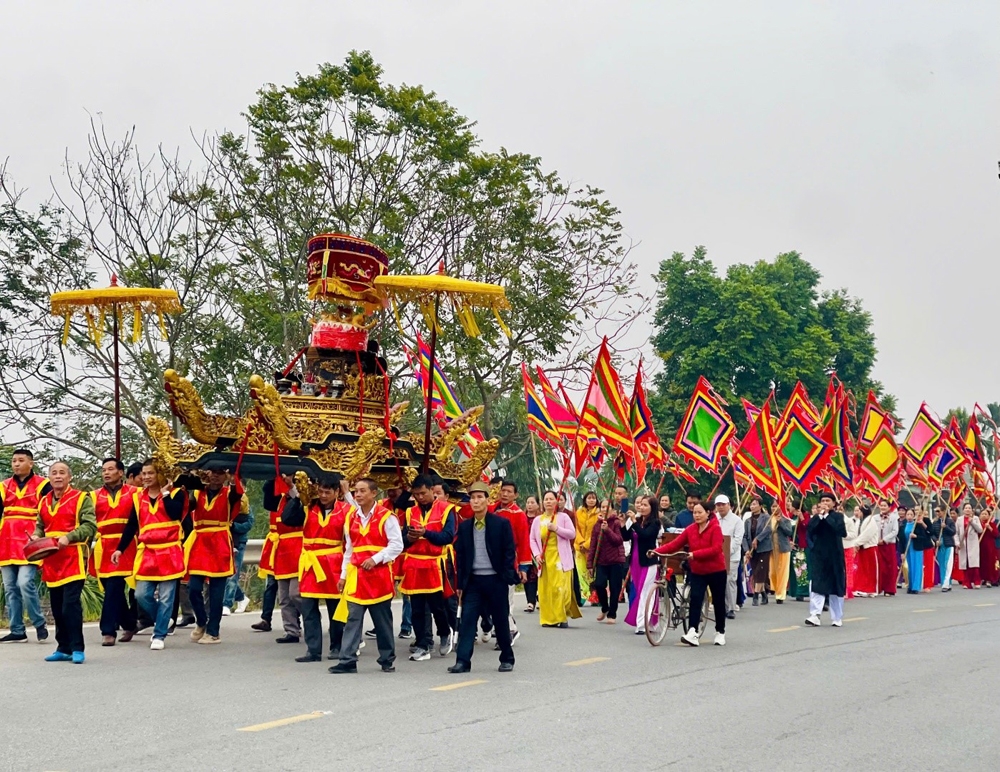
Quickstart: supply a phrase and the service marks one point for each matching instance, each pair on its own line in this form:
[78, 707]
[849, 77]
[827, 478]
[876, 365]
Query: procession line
[459, 685]
[284, 721]
[588, 661]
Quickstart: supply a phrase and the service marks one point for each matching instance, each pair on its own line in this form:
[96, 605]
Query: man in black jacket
[485, 560]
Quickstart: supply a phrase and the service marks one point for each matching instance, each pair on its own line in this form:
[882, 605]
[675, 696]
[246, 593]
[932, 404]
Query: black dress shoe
[460, 667]
[185, 622]
[334, 655]
[505, 667]
[730, 615]
[287, 639]
[388, 668]
[309, 658]
[261, 627]
[341, 668]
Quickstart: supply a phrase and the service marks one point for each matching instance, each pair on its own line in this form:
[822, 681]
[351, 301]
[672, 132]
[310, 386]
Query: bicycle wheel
[658, 607]
[707, 614]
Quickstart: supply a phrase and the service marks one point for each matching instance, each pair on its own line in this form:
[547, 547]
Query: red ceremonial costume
[375, 586]
[423, 562]
[288, 549]
[112, 511]
[20, 509]
[866, 577]
[59, 518]
[160, 556]
[322, 551]
[208, 549]
[888, 568]
[988, 570]
[266, 565]
[519, 525]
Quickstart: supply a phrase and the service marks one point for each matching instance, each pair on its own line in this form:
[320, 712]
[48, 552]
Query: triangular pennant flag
[604, 409]
[539, 420]
[756, 455]
[565, 421]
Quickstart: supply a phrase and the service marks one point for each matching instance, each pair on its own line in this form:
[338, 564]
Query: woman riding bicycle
[706, 570]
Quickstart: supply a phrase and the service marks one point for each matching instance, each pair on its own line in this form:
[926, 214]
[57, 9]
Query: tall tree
[760, 327]
[340, 149]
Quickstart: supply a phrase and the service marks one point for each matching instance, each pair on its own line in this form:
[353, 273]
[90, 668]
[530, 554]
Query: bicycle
[669, 603]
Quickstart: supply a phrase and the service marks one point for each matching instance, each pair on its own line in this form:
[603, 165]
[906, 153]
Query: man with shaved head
[66, 514]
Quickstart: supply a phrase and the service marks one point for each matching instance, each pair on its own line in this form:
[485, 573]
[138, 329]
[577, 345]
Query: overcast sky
[863, 134]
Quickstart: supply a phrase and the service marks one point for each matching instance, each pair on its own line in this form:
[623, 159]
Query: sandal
[529, 609]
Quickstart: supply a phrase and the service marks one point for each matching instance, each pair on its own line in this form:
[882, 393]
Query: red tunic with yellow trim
[423, 562]
[208, 549]
[112, 511]
[322, 551]
[266, 566]
[160, 556]
[59, 518]
[288, 550]
[368, 587]
[20, 510]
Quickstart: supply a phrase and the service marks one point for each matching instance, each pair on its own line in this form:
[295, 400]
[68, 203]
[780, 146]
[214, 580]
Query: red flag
[604, 408]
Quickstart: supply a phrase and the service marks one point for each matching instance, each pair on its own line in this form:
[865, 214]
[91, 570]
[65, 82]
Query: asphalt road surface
[908, 681]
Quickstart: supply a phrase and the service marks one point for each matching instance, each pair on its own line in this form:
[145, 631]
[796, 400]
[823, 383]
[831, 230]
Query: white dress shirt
[732, 526]
[392, 533]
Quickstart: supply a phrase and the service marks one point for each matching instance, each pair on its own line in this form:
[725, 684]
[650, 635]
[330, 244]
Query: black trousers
[420, 604]
[484, 594]
[67, 610]
[608, 584]
[312, 624]
[212, 618]
[531, 591]
[717, 584]
[269, 599]
[118, 612]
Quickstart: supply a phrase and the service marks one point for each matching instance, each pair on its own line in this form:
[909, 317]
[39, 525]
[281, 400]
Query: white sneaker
[156, 644]
[484, 636]
[420, 655]
[225, 611]
[241, 606]
[813, 621]
[691, 637]
[514, 636]
[838, 623]
[720, 639]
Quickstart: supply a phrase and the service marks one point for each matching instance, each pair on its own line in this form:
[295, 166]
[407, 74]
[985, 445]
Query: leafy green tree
[761, 326]
[340, 149]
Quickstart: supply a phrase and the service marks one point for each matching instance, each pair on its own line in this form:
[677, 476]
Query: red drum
[339, 335]
[37, 550]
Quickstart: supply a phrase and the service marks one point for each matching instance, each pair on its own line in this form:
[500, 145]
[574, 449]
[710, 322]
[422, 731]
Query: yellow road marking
[784, 629]
[856, 619]
[922, 610]
[984, 605]
[459, 685]
[283, 721]
[588, 661]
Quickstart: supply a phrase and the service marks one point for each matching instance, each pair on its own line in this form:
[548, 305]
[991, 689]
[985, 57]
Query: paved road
[907, 681]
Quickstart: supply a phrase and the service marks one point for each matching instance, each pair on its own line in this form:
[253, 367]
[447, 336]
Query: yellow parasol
[97, 304]
[427, 292]
[463, 295]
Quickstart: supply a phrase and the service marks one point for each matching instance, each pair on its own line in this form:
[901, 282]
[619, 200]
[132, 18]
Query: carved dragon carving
[368, 450]
[272, 412]
[186, 404]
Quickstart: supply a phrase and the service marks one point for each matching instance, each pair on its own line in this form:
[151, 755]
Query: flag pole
[534, 458]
